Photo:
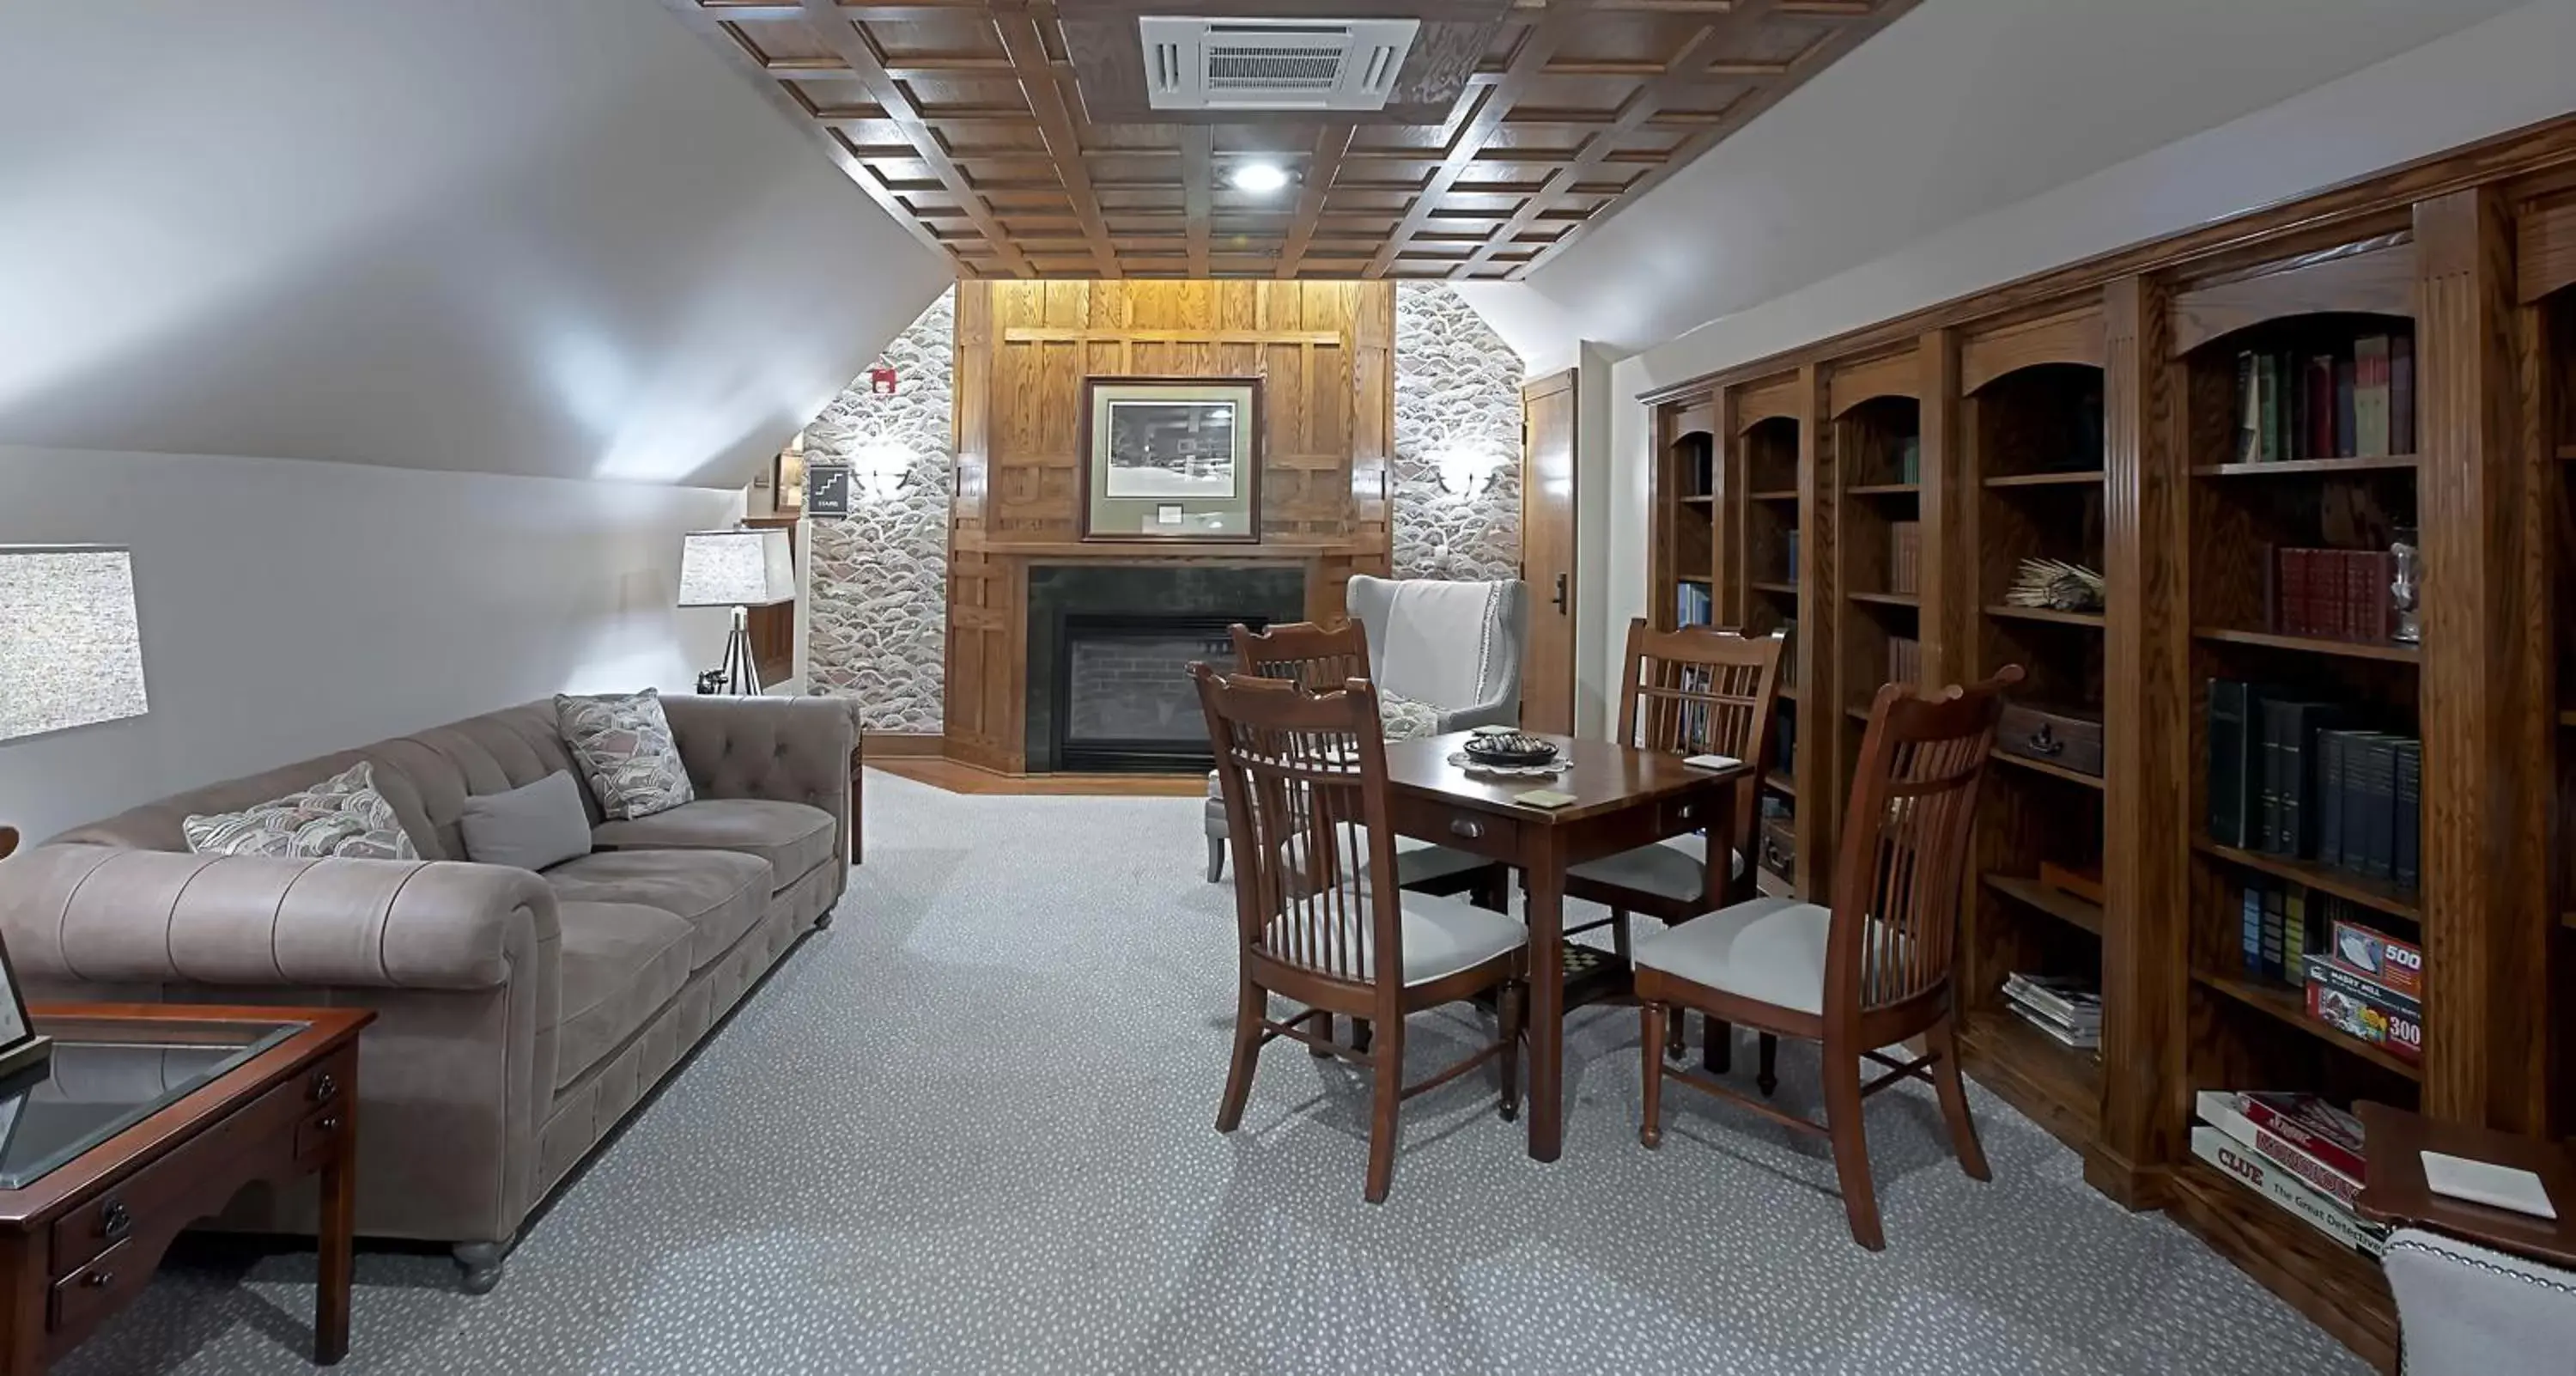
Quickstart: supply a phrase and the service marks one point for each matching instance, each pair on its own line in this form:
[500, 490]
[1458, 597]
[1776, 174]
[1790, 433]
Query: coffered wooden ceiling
[1006, 132]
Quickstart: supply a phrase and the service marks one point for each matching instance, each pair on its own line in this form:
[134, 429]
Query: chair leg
[1511, 1057]
[1322, 1027]
[1717, 1046]
[1216, 859]
[1619, 934]
[1944, 1044]
[1768, 1078]
[1677, 1033]
[1360, 1035]
[1250, 1003]
[1389, 1058]
[1851, 1147]
[1650, 1040]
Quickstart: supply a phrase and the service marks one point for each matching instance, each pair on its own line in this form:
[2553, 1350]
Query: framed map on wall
[1171, 459]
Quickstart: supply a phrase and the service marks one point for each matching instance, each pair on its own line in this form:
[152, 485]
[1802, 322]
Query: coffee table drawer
[1487, 834]
[94, 1291]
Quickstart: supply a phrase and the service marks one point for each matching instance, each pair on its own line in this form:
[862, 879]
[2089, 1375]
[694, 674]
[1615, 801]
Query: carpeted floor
[968, 1131]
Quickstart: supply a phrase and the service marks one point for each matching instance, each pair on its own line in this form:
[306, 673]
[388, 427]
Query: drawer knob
[2045, 742]
[1689, 810]
[115, 1221]
[325, 1085]
[98, 1280]
[1467, 828]
[330, 1123]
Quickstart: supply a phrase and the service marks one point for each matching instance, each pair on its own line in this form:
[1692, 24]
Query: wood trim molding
[2535, 148]
[896, 745]
[1990, 353]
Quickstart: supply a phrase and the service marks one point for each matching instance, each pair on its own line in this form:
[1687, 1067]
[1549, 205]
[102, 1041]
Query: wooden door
[1547, 552]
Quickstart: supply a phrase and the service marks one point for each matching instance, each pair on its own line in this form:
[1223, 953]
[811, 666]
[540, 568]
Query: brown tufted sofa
[521, 1015]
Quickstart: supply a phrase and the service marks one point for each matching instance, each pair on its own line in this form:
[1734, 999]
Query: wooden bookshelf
[2098, 415]
[1684, 503]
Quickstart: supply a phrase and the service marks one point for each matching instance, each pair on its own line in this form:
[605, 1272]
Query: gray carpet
[969, 1131]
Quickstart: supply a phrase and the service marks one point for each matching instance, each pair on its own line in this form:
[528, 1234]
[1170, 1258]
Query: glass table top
[107, 1075]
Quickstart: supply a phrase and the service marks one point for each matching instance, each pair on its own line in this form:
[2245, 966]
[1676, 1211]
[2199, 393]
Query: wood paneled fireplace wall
[1325, 354]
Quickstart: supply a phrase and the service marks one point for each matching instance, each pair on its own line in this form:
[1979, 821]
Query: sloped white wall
[560, 238]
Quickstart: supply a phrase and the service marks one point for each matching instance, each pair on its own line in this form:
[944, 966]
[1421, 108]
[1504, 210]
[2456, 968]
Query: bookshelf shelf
[2057, 903]
[2049, 1082]
[2395, 902]
[2341, 1290]
[1780, 783]
[1886, 490]
[1788, 692]
[2091, 781]
[1790, 495]
[1888, 599]
[2349, 649]
[1782, 589]
[1692, 578]
[2081, 477]
[2287, 1006]
[2291, 468]
[2044, 614]
[1697, 499]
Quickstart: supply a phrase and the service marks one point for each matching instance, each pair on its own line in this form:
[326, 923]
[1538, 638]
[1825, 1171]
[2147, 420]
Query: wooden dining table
[1623, 798]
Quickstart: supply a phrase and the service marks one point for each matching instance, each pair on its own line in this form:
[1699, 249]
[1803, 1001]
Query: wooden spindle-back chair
[1872, 971]
[1304, 778]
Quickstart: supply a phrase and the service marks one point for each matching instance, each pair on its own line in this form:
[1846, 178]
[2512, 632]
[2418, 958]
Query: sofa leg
[1216, 859]
[481, 1263]
[825, 921]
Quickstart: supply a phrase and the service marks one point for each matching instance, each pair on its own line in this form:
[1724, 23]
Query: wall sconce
[1466, 472]
[881, 468]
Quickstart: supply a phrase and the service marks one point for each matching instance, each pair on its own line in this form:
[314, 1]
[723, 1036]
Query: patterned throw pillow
[342, 817]
[1403, 719]
[624, 747]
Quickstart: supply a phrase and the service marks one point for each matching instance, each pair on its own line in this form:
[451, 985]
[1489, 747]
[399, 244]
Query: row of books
[2355, 978]
[1693, 605]
[2066, 1008]
[2300, 1153]
[1905, 557]
[2333, 594]
[1787, 632]
[1909, 459]
[2353, 402]
[2288, 778]
[1904, 659]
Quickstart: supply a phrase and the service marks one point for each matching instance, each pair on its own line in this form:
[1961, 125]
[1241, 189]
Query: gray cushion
[621, 963]
[1443, 936]
[530, 828]
[1673, 868]
[719, 894]
[1771, 949]
[792, 837]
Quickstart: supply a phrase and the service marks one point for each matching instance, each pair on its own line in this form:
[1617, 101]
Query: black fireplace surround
[1109, 654]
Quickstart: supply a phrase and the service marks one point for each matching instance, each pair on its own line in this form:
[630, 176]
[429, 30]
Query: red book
[2289, 591]
[2367, 574]
[2339, 575]
[2316, 1128]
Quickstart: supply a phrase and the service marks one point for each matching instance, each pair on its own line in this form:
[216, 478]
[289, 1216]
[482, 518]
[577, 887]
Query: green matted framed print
[1171, 458]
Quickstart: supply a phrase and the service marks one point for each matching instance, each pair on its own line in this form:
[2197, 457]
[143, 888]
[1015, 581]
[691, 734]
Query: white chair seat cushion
[1674, 868]
[1770, 949]
[1443, 936]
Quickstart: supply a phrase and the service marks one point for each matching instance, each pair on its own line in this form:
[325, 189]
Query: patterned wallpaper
[878, 607]
[878, 619]
[1457, 389]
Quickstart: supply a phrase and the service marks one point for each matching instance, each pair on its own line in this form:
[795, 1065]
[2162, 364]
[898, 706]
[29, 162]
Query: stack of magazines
[2062, 1006]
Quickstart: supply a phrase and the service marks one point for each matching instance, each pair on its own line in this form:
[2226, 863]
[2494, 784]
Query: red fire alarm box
[881, 381]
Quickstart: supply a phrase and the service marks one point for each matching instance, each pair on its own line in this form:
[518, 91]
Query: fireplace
[1109, 653]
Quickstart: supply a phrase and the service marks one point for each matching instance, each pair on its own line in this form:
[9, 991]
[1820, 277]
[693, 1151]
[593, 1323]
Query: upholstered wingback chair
[1455, 646]
[2465, 1310]
[1452, 647]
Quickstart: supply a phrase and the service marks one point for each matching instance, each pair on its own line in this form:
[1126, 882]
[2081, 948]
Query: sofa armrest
[793, 750]
[1500, 713]
[73, 914]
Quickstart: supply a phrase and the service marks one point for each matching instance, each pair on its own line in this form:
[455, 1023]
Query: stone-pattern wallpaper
[1457, 388]
[878, 620]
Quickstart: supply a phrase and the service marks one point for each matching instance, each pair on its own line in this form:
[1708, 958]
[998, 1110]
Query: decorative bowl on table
[1510, 748]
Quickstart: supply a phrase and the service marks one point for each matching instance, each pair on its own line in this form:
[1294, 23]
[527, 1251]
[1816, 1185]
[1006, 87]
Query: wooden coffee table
[1624, 798]
[149, 1118]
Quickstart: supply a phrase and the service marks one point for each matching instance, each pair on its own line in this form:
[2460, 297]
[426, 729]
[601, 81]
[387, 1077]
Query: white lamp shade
[736, 568]
[70, 654]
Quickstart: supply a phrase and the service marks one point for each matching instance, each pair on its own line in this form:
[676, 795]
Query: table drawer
[141, 1202]
[315, 1136]
[1675, 816]
[94, 1291]
[1487, 834]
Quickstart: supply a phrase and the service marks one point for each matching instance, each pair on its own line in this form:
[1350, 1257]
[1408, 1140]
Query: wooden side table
[2397, 1195]
[148, 1118]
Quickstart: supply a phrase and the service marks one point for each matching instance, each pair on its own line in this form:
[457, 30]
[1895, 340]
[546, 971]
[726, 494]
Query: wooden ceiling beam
[1198, 190]
[1680, 76]
[1028, 57]
[830, 25]
[1323, 166]
[1537, 45]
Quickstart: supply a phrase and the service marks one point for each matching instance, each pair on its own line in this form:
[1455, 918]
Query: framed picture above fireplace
[1171, 458]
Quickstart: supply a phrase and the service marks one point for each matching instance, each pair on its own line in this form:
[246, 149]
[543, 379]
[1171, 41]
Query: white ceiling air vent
[1272, 64]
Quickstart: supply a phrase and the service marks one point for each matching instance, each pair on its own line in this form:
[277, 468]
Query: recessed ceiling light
[1259, 176]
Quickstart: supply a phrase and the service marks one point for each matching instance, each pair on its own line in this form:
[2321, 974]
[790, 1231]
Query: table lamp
[741, 569]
